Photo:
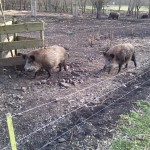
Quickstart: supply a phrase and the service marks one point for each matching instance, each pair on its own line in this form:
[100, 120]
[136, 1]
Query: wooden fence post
[14, 21]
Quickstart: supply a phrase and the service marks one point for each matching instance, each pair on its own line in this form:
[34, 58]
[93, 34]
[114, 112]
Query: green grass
[116, 7]
[134, 129]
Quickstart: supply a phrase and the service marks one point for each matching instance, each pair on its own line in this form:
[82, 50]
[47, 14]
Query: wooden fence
[19, 42]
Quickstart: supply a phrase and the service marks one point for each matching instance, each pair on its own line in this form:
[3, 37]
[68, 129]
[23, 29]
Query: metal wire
[92, 116]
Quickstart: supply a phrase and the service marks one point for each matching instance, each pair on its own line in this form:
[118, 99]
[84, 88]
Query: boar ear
[32, 57]
[112, 55]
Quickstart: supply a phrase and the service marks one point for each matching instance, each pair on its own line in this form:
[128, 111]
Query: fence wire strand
[140, 85]
[34, 132]
[75, 109]
[79, 108]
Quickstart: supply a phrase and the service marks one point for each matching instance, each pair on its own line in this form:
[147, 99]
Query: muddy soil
[76, 109]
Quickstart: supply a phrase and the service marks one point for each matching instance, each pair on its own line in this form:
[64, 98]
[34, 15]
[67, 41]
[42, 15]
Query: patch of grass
[134, 129]
[116, 8]
[124, 8]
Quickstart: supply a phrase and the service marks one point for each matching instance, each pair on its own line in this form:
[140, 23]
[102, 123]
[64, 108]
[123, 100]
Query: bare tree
[93, 6]
[149, 8]
[34, 7]
[45, 4]
[137, 8]
[119, 5]
[74, 8]
[56, 5]
[83, 5]
[131, 6]
[98, 4]
[50, 5]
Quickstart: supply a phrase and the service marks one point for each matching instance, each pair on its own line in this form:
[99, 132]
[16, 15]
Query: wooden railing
[19, 42]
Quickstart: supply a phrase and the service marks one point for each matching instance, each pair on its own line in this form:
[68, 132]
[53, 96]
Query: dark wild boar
[47, 58]
[114, 15]
[144, 16]
[120, 54]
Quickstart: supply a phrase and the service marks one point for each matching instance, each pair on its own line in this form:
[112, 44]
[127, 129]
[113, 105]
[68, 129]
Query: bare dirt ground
[82, 113]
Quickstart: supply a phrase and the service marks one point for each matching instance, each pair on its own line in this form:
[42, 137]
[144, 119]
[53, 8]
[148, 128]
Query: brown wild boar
[120, 54]
[47, 58]
[114, 15]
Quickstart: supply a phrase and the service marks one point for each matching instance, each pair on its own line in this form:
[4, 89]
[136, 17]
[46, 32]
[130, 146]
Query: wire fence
[75, 110]
[81, 107]
[83, 121]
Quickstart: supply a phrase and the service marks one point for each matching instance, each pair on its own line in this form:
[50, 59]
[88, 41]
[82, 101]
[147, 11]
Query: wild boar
[144, 16]
[46, 58]
[114, 15]
[120, 54]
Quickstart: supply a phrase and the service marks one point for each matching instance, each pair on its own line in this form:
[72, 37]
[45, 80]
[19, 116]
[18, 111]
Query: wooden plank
[42, 36]
[23, 27]
[21, 38]
[6, 54]
[7, 23]
[5, 46]
[12, 61]
[14, 21]
[11, 38]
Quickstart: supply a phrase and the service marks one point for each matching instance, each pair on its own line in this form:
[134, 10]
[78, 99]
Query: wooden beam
[6, 46]
[11, 38]
[21, 38]
[7, 23]
[12, 61]
[23, 27]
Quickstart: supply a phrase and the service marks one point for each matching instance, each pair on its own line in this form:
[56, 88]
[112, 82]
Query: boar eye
[112, 55]
[32, 57]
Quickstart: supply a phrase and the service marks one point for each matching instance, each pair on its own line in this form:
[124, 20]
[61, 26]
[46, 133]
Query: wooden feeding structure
[11, 42]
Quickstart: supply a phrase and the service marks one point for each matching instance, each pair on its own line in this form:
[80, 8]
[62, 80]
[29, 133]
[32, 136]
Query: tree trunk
[20, 4]
[133, 6]
[129, 8]
[84, 5]
[34, 8]
[119, 5]
[50, 5]
[138, 6]
[75, 8]
[3, 3]
[99, 5]
[65, 6]
[149, 8]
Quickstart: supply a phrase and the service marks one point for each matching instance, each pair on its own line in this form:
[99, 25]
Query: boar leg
[59, 67]
[109, 69]
[65, 67]
[134, 60]
[126, 66]
[48, 71]
[120, 65]
[104, 68]
[35, 74]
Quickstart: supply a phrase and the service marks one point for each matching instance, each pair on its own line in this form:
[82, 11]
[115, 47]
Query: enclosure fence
[75, 110]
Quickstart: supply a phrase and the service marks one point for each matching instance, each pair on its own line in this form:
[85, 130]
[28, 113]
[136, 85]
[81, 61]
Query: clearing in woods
[84, 111]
